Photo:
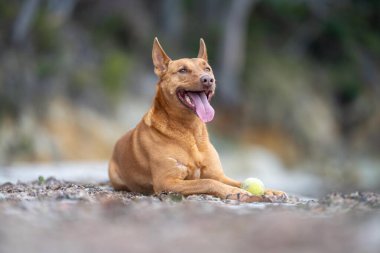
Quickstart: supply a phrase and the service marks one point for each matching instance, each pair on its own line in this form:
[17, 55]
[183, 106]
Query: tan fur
[169, 150]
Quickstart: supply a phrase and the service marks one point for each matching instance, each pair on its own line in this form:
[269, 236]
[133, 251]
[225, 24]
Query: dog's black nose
[207, 80]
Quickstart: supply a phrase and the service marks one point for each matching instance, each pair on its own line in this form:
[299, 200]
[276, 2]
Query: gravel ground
[58, 216]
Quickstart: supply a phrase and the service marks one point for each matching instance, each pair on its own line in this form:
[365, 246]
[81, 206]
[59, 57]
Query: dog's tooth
[187, 98]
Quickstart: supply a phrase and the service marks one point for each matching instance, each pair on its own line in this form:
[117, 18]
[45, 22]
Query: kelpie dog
[169, 150]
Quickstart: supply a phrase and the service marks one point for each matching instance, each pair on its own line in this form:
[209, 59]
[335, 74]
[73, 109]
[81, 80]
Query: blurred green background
[298, 82]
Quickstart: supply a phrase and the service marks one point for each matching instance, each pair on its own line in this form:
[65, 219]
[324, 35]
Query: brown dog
[169, 150]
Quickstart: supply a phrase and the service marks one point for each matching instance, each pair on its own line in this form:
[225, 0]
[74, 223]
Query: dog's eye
[207, 69]
[182, 70]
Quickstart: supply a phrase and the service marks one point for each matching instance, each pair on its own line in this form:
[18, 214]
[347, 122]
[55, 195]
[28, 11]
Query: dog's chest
[194, 167]
[191, 164]
[189, 170]
[193, 172]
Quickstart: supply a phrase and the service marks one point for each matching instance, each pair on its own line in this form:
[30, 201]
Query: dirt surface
[59, 216]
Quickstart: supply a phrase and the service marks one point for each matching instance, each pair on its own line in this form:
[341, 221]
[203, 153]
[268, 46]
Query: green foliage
[41, 180]
[111, 29]
[289, 11]
[346, 83]
[175, 197]
[372, 41]
[22, 146]
[46, 67]
[7, 107]
[7, 14]
[114, 71]
[81, 80]
[45, 33]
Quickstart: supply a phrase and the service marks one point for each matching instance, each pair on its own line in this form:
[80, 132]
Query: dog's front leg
[205, 186]
[198, 186]
[213, 169]
[168, 176]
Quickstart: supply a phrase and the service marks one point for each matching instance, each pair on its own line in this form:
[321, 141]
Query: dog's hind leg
[115, 179]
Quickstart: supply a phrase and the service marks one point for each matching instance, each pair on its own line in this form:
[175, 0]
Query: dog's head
[187, 84]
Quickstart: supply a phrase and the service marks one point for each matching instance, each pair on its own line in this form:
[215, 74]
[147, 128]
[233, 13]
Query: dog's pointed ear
[160, 58]
[202, 50]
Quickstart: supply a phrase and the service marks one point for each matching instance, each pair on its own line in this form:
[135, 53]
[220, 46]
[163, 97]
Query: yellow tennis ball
[253, 185]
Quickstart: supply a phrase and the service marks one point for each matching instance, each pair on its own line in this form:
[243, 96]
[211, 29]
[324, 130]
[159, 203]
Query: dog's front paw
[276, 196]
[245, 196]
[252, 198]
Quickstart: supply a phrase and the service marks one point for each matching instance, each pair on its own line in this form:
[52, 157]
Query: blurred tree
[24, 20]
[233, 48]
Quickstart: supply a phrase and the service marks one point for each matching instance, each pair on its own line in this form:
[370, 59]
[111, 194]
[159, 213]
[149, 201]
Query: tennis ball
[253, 185]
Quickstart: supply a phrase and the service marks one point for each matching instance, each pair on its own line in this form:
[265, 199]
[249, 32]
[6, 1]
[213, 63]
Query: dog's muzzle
[207, 81]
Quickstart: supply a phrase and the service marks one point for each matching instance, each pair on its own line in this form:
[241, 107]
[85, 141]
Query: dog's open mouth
[198, 102]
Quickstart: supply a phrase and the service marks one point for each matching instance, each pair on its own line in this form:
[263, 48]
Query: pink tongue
[203, 108]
